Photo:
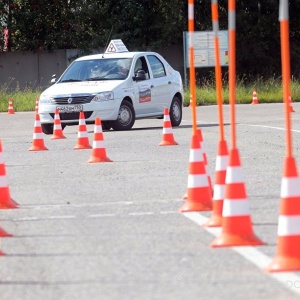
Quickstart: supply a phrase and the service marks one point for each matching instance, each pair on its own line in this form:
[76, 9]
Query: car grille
[73, 116]
[75, 100]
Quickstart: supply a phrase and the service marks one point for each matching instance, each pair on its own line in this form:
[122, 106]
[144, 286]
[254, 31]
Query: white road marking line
[168, 212]
[61, 217]
[26, 219]
[47, 206]
[101, 215]
[288, 279]
[264, 126]
[146, 213]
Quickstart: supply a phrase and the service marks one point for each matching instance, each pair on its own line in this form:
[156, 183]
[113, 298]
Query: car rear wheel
[126, 117]
[175, 112]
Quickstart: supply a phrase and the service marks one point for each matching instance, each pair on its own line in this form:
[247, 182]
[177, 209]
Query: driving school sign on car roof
[116, 46]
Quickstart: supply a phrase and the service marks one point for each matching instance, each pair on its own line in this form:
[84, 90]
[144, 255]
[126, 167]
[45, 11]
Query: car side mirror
[140, 75]
[53, 80]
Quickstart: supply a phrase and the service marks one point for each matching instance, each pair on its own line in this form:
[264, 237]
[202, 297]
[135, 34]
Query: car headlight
[45, 99]
[104, 96]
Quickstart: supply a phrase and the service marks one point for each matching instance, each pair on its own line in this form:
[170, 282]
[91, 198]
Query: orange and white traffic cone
[82, 137]
[254, 97]
[10, 107]
[287, 257]
[36, 105]
[201, 141]
[236, 220]
[204, 158]
[99, 151]
[290, 104]
[5, 199]
[38, 139]
[198, 190]
[168, 137]
[219, 187]
[57, 129]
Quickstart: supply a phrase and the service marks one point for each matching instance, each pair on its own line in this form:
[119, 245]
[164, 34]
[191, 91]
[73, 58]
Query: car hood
[84, 87]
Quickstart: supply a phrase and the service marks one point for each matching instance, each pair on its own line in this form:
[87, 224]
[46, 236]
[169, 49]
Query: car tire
[126, 117]
[47, 128]
[175, 112]
[106, 125]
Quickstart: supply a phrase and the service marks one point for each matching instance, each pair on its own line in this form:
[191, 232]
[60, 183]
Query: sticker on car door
[144, 93]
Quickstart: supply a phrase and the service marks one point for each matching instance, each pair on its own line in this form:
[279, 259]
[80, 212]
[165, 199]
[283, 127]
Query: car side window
[157, 66]
[141, 64]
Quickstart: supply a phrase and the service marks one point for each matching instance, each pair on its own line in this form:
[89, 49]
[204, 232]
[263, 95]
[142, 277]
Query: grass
[268, 91]
[22, 100]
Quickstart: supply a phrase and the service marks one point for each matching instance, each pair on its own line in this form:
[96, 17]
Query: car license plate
[70, 108]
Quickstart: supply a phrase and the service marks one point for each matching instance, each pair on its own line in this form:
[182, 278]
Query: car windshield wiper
[70, 80]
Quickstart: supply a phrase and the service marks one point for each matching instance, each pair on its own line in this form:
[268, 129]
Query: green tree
[149, 25]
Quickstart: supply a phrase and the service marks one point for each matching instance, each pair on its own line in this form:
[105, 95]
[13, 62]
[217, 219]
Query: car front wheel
[175, 112]
[47, 128]
[126, 117]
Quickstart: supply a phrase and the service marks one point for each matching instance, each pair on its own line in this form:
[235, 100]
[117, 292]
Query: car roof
[114, 55]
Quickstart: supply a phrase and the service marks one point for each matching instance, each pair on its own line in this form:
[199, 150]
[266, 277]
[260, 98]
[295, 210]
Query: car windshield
[97, 69]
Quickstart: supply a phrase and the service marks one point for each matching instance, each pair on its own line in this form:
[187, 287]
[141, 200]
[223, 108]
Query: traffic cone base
[237, 231]
[291, 108]
[168, 141]
[194, 206]
[38, 145]
[8, 203]
[283, 263]
[95, 159]
[198, 199]
[216, 216]
[230, 240]
[81, 147]
[5, 200]
[3, 233]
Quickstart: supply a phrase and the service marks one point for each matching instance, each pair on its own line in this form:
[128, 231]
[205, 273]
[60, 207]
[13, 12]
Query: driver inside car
[123, 68]
[95, 72]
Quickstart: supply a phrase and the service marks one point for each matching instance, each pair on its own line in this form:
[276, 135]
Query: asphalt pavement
[113, 230]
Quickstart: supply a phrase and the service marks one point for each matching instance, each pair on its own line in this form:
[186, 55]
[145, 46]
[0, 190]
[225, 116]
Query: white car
[118, 86]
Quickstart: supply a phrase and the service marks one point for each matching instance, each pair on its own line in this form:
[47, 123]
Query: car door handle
[152, 86]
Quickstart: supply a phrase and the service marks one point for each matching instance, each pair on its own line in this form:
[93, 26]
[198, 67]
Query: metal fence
[21, 70]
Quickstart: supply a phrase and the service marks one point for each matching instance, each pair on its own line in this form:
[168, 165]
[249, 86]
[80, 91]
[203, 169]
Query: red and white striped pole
[222, 150]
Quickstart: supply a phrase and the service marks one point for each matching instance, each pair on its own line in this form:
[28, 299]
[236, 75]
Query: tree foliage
[148, 25]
